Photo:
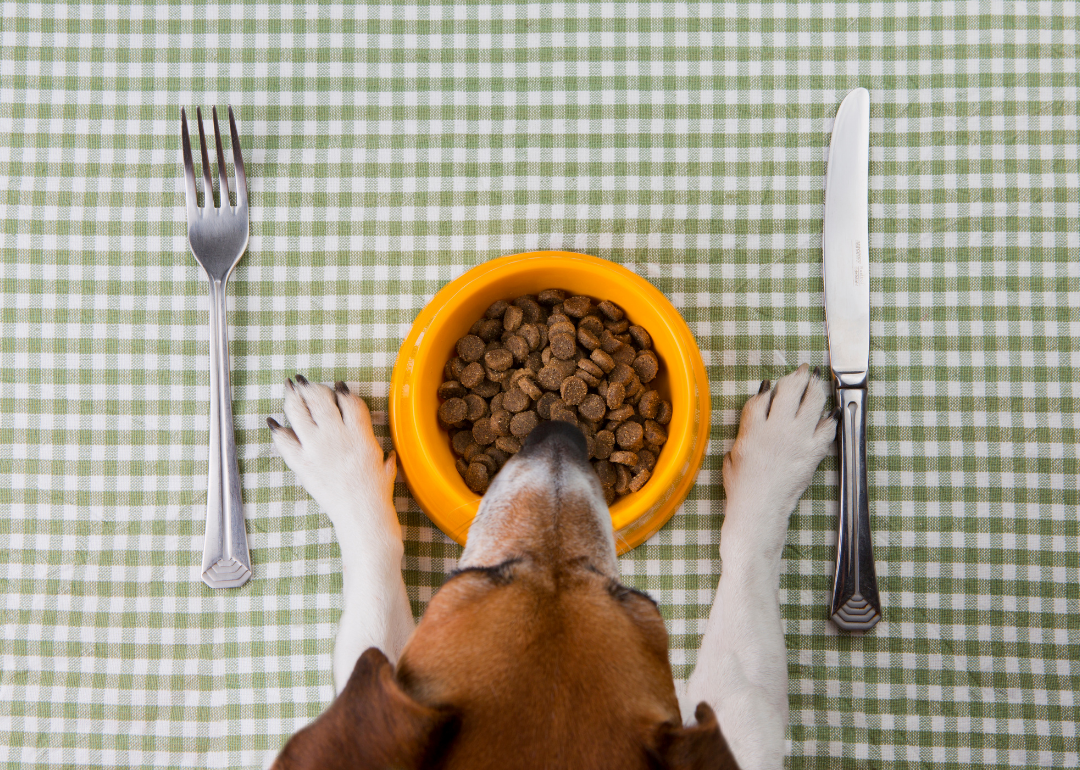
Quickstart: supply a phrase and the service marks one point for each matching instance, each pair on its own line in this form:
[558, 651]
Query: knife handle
[855, 602]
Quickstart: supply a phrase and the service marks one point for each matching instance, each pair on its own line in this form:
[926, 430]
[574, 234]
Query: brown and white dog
[533, 654]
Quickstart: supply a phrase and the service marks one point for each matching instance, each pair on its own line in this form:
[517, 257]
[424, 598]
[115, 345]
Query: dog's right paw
[333, 451]
[782, 438]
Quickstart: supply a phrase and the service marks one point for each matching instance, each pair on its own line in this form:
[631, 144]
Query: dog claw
[341, 388]
[817, 372]
[272, 424]
[301, 379]
[765, 385]
[289, 382]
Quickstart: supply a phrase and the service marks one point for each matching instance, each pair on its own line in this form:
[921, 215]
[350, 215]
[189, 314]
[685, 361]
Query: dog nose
[557, 435]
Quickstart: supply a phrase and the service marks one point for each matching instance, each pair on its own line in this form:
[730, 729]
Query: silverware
[218, 236]
[855, 602]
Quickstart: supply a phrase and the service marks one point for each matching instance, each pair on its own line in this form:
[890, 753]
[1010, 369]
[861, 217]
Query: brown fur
[541, 661]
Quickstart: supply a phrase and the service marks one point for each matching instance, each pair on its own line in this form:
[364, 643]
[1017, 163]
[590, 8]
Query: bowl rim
[635, 517]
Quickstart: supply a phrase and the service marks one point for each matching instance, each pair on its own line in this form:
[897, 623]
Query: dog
[532, 654]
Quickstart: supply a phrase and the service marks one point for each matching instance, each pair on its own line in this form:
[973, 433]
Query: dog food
[554, 356]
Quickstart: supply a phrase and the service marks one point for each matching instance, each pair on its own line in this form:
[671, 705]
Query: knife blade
[856, 605]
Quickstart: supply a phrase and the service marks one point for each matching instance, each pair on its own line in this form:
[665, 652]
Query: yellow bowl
[424, 448]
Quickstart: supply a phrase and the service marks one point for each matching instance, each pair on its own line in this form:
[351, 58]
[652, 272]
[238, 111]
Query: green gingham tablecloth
[390, 148]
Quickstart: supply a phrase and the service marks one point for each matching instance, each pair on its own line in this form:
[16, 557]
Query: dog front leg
[742, 664]
[332, 449]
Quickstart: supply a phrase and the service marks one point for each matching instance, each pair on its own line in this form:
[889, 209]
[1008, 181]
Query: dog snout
[558, 437]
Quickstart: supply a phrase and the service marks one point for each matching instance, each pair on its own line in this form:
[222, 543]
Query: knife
[855, 602]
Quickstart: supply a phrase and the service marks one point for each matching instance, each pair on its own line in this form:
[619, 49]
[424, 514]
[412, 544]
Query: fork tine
[208, 182]
[189, 168]
[238, 165]
[222, 172]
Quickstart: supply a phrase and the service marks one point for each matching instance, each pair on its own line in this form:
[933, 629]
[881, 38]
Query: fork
[218, 237]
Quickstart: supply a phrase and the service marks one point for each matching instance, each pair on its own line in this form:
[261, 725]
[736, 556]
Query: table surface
[391, 147]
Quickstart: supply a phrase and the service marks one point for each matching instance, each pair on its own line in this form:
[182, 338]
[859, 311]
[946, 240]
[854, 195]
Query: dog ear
[373, 723]
[700, 747]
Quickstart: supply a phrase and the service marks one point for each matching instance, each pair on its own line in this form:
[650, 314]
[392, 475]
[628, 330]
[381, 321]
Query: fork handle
[226, 561]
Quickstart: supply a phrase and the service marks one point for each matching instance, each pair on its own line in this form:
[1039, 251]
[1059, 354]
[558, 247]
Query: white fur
[487, 545]
[742, 665]
[336, 457]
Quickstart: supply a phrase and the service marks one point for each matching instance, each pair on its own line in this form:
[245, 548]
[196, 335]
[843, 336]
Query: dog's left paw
[333, 451]
[782, 438]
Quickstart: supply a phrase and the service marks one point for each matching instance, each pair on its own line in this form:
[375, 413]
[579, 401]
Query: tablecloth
[392, 146]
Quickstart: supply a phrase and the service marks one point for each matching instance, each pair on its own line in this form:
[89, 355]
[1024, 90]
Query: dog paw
[332, 449]
[783, 435]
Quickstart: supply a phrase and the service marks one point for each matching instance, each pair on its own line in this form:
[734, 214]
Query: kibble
[472, 375]
[606, 472]
[471, 348]
[649, 404]
[592, 407]
[590, 380]
[611, 310]
[573, 390]
[624, 412]
[521, 425]
[490, 330]
[555, 356]
[452, 389]
[654, 432]
[499, 360]
[516, 401]
[604, 362]
[590, 367]
[647, 366]
[616, 393]
[592, 325]
[483, 432]
[453, 410]
[639, 479]
[461, 441]
[509, 444]
[488, 462]
[477, 407]
[543, 405]
[530, 388]
[608, 342]
[477, 478]
[630, 436]
[605, 444]
[588, 340]
[560, 411]
[487, 389]
[550, 377]
[577, 306]
[624, 458]
[531, 334]
[641, 337]
[551, 297]
[624, 355]
[471, 451]
[531, 312]
[562, 346]
[500, 422]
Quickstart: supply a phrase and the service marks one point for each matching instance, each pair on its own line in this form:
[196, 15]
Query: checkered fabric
[390, 148]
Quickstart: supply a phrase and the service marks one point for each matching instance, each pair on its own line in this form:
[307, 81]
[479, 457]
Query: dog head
[531, 655]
